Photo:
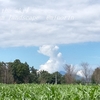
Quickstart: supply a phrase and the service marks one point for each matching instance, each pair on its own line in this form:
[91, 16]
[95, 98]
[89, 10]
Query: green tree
[20, 71]
[56, 78]
[33, 75]
[44, 77]
[2, 72]
[96, 76]
[9, 75]
[5, 73]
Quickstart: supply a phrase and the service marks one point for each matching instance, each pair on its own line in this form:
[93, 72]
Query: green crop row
[49, 92]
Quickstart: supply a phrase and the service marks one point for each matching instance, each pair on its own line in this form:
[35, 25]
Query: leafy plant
[49, 92]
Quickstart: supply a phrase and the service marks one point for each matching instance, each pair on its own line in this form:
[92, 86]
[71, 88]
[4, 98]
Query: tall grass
[49, 92]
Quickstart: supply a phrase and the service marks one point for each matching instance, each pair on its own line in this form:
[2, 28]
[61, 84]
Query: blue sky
[48, 34]
[72, 54]
[82, 52]
[24, 54]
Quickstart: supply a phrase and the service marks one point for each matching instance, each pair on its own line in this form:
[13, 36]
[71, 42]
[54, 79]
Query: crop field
[49, 92]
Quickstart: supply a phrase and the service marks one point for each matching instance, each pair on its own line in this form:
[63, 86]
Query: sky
[49, 34]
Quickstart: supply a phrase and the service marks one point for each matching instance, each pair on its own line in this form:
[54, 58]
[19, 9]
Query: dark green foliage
[44, 77]
[33, 75]
[56, 78]
[20, 72]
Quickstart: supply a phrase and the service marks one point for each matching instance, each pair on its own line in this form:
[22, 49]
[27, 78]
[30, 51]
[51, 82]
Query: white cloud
[36, 23]
[80, 73]
[55, 62]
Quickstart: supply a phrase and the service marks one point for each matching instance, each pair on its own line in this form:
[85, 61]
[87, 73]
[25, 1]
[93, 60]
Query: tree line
[17, 72]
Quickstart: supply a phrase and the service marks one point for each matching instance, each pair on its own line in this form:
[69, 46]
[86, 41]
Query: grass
[49, 92]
